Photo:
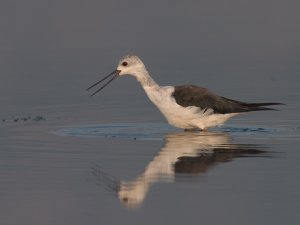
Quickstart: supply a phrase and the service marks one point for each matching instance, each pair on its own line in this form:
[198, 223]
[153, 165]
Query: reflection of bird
[184, 152]
[186, 106]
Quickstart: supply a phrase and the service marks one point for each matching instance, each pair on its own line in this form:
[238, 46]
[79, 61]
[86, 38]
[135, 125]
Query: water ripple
[156, 131]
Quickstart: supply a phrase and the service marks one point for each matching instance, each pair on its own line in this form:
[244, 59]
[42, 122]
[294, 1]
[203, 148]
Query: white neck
[144, 78]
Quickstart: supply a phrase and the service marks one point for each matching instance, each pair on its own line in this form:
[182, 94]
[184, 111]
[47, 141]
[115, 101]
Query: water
[67, 158]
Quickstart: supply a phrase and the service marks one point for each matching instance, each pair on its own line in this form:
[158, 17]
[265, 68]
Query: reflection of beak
[114, 75]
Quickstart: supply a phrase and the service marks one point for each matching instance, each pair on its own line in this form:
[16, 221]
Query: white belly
[184, 117]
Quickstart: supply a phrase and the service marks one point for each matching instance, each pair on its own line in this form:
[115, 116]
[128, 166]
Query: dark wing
[191, 95]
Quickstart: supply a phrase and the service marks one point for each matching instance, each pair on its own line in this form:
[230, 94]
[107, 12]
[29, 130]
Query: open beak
[113, 76]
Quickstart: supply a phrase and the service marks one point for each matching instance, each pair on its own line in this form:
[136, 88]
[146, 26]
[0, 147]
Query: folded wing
[191, 95]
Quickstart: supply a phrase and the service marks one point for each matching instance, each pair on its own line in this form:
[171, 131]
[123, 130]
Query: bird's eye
[124, 63]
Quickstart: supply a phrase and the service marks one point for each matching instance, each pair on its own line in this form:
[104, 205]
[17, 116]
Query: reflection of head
[184, 152]
[132, 194]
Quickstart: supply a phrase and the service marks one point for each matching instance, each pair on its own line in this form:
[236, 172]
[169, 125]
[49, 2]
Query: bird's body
[189, 117]
[186, 106]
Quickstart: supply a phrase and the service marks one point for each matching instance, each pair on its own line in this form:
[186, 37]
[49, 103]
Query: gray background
[50, 51]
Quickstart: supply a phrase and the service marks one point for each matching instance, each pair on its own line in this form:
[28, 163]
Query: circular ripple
[285, 132]
[157, 131]
[249, 130]
[133, 131]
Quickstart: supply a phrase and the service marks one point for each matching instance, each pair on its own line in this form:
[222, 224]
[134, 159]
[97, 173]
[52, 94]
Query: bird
[188, 107]
[181, 153]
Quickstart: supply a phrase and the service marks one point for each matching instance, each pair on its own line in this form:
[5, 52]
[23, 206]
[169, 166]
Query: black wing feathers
[191, 95]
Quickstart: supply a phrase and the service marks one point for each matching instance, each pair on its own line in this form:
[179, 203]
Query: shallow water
[67, 158]
[148, 172]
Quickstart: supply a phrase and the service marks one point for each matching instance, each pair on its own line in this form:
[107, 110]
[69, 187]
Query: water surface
[67, 158]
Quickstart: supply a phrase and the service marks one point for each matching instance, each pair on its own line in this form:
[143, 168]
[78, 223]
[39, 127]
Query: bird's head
[128, 65]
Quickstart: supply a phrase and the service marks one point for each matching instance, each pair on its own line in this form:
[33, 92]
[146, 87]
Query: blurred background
[64, 155]
[50, 51]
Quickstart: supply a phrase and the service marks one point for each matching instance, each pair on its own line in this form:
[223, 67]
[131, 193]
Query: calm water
[67, 158]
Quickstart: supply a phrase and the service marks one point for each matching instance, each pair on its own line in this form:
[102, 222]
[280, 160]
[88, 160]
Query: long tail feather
[259, 106]
[265, 104]
[246, 107]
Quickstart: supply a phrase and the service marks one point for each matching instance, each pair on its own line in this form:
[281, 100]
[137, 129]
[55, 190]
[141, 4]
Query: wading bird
[186, 106]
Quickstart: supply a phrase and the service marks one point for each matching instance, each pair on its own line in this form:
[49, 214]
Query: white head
[128, 65]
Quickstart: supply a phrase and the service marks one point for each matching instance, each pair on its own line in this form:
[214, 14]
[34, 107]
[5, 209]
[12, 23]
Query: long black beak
[114, 75]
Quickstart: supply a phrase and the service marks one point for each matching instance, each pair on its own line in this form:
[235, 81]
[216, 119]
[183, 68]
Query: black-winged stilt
[186, 106]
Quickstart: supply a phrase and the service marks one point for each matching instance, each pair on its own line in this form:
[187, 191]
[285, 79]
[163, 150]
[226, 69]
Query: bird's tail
[261, 106]
[246, 107]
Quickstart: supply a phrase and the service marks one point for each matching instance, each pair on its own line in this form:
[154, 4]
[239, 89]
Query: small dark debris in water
[24, 119]
[38, 118]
